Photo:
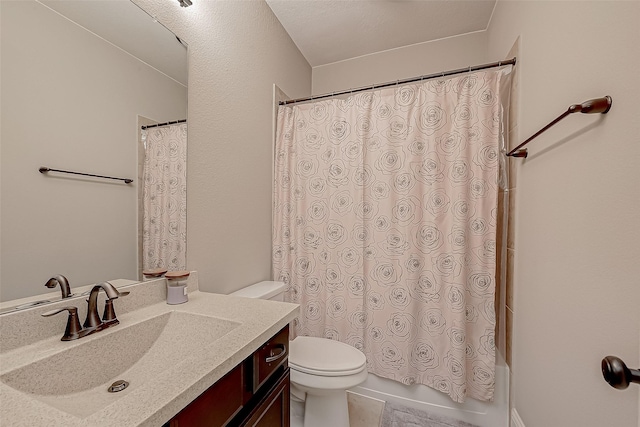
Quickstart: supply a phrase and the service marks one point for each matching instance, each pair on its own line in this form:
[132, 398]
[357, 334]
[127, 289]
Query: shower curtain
[164, 231]
[385, 226]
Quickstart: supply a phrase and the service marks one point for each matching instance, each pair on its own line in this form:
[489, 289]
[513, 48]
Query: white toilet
[321, 369]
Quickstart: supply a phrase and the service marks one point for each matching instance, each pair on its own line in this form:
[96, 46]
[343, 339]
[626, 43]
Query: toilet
[321, 369]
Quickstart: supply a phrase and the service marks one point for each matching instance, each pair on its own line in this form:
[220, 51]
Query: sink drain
[118, 386]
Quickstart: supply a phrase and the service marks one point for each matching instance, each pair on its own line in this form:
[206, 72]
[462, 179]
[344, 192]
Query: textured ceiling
[328, 31]
[131, 29]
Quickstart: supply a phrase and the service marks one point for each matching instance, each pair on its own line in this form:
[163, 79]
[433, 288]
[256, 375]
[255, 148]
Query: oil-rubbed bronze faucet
[73, 330]
[64, 285]
[109, 317]
[93, 323]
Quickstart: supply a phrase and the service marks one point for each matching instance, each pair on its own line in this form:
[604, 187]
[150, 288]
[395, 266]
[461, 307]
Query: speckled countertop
[157, 395]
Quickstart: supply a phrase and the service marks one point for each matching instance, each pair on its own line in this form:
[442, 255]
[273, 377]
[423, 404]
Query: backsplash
[27, 326]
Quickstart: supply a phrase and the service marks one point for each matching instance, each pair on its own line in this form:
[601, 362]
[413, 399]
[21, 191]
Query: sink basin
[76, 380]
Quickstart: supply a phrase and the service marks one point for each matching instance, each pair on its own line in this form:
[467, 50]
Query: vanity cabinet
[254, 393]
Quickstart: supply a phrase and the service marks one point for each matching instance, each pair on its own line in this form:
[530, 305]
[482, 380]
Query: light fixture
[185, 3]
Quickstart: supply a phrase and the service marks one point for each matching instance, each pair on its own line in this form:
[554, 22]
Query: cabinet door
[268, 358]
[216, 406]
[273, 410]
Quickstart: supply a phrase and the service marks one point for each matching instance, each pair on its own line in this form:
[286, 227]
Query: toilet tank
[264, 290]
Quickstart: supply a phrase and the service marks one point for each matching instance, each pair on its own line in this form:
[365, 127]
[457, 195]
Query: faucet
[93, 323]
[109, 317]
[64, 285]
[73, 330]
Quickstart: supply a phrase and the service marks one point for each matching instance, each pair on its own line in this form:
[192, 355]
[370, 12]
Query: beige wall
[576, 288]
[405, 62]
[237, 51]
[70, 101]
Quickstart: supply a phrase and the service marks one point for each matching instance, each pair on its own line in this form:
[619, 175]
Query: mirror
[78, 78]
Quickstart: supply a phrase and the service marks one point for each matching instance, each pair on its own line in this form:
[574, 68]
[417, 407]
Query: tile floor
[363, 411]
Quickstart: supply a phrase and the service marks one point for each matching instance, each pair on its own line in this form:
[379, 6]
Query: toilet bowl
[321, 369]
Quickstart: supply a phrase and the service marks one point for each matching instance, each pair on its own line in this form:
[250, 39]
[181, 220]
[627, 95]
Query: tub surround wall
[506, 243]
[575, 277]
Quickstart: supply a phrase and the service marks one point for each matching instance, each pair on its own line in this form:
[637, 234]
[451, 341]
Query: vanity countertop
[162, 395]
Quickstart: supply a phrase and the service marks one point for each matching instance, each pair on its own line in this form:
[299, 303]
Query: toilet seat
[325, 357]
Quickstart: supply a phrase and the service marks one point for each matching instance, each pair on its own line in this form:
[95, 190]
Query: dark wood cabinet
[273, 409]
[254, 393]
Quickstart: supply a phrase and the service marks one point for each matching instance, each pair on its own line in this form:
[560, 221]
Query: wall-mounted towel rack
[45, 169]
[592, 106]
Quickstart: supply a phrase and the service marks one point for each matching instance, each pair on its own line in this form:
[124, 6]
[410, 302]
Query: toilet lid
[322, 356]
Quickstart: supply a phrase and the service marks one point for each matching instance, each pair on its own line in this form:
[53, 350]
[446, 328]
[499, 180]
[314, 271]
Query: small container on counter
[153, 274]
[177, 287]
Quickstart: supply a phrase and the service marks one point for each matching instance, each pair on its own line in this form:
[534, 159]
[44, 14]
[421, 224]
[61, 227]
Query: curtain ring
[499, 63]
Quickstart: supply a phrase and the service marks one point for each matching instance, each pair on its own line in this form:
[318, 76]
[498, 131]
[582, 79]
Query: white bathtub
[483, 414]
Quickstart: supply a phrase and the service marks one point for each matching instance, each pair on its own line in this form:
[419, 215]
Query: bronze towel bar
[45, 169]
[592, 106]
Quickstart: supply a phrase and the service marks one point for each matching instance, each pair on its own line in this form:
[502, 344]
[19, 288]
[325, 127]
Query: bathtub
[483, 414]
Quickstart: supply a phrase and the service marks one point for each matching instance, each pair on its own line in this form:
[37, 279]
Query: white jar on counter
[177, 287]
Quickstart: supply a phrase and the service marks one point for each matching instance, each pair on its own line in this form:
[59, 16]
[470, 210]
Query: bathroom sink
[76, 380]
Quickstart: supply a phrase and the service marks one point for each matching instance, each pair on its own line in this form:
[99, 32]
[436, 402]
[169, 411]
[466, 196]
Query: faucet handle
[73, 330]
[109, 315]
[71, 310]
[93, 320]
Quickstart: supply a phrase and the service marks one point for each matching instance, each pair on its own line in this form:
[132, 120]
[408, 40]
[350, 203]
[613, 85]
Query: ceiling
[125, 25]
[325, 31]
[328, 31]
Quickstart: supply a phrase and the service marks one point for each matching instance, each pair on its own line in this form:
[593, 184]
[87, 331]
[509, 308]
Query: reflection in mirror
[78, 78]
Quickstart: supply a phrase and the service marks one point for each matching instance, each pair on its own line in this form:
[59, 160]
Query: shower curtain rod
[511, 61]
[163, 124]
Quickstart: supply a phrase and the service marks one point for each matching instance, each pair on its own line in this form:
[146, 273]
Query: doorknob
[617, 374]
